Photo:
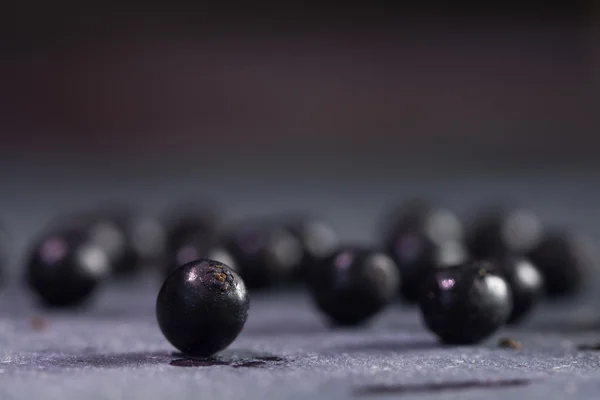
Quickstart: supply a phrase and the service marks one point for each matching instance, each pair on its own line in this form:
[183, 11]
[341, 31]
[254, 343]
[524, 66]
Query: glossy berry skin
[264, 253]
[526, 285]
[317, 240]
[499, 232]
[142, 240]
[202, 307]
[465, 304]
[189, 233]
[191, 250]
[565, 261]
[147, 237]
[419, 238]
[130, 240]
[64, 268]
[353, 285]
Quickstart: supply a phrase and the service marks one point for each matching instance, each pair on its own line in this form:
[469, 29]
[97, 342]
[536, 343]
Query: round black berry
[264, 253]
[64, 268]
[148, 238]
[498, 232]
[353, 285]
[130, 240]
[191, 250]
[142, 239]
[192, 234]
[526, 285]
[465, 304]
[195, 221]
[317, 239]
[202, 307]
[565, 261]
[420, 238]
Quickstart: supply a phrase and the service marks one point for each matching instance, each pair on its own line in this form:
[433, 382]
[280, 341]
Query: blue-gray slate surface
[114, 350]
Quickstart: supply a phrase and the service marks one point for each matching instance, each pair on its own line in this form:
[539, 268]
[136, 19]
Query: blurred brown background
[453, 83]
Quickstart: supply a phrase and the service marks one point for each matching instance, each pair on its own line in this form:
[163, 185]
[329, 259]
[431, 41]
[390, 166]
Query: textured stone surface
[114, 350]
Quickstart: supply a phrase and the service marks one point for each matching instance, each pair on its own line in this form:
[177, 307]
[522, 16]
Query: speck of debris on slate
[39, 323]
[509, 343]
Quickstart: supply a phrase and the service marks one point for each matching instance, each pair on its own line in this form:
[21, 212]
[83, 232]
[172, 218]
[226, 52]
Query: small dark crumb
[509, 343]
[592, 347]
[39, 323]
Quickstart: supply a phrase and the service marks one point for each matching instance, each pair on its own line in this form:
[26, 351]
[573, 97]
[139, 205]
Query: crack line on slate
[438, 387]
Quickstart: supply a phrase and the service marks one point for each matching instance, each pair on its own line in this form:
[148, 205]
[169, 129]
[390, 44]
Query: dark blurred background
[339, 109]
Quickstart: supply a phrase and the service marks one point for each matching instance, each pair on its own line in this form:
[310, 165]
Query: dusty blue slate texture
[114, 350]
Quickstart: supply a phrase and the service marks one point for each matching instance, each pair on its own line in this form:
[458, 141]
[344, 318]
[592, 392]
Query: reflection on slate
[245, 362]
